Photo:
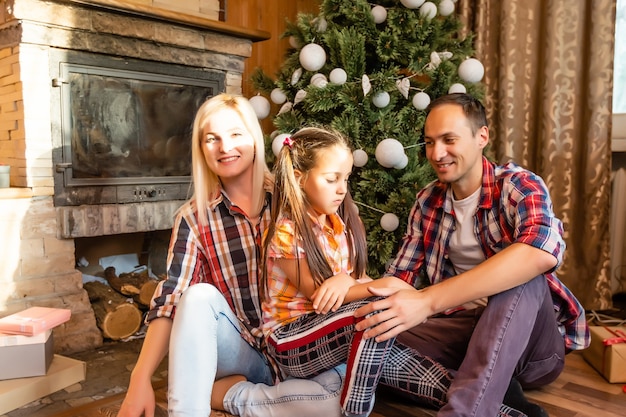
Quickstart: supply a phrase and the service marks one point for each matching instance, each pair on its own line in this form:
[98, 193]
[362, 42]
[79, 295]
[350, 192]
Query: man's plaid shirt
[514, 206]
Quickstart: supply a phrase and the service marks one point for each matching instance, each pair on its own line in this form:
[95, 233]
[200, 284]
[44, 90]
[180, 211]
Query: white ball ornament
[389, 152]
[428, 10]
[471, 70]
[278, 96]
[381, 99]
[379, 13]
[360, 158]
[421, 100]
[312, 57]
[277, 143]
[446, 7]
[319, 80]
[317, 76]
[412, 4]
[338, 76]
[457, 88]
[389, 222]
[261, 106]
[403, 162]
[293, 42]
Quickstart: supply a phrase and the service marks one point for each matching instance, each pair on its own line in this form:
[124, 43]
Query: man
[486, 238]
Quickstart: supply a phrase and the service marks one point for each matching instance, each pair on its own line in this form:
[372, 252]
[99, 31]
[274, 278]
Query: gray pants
[516, 335]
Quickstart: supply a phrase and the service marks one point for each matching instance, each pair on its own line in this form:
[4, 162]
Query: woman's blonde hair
[302, 153]
[206, 184]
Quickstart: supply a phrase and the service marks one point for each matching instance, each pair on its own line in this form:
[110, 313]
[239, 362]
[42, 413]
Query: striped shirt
[226, 254]
[285, 301]
[514, 206]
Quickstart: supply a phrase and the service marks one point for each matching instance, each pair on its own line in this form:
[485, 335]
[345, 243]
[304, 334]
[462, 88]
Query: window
[619, 80]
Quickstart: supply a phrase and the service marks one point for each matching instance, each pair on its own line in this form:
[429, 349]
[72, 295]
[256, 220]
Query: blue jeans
[516, 335]
[206, 344]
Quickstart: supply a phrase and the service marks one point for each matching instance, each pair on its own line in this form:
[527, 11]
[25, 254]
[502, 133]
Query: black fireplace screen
[126, 129]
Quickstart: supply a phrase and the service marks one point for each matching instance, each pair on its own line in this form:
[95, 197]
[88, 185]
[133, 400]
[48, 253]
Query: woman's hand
[330, 295]
[139, 400]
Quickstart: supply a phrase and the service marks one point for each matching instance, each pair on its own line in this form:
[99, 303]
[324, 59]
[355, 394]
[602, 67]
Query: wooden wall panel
[270, 16]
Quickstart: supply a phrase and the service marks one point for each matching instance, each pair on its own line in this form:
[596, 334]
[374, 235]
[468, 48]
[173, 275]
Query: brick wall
[37, 266]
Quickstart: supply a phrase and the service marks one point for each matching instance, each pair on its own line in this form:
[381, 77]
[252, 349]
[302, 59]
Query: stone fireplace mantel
[170, 17]
[39, 265]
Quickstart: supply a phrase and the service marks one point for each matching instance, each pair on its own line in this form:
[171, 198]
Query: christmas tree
[369, 71]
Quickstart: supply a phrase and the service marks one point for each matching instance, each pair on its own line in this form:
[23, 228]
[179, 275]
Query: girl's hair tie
[288, 142]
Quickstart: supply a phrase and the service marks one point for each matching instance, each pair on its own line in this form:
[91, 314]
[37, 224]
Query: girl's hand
[330, 295]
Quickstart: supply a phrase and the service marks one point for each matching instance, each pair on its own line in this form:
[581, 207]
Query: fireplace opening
[147, 250]
[125, 128]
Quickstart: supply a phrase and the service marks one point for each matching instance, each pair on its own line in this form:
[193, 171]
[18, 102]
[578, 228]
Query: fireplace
[97, 101]
[125, 128]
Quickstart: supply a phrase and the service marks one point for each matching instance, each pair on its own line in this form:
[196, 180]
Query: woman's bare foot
[221, 387]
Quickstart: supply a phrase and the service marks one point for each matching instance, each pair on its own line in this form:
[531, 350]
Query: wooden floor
[579, 392]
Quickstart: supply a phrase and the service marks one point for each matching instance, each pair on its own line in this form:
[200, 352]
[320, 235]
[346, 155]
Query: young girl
[315, 251]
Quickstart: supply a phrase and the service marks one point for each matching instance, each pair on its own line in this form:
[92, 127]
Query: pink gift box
[34, 320]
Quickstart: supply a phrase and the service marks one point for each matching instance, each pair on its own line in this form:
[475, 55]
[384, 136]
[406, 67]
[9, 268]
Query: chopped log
[126, 283]
[115, 315]
[146, 292]
[139, 286]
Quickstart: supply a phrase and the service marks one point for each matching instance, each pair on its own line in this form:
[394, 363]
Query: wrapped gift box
[607, 352]
[34, 320]
[62, 373]
[25, 356]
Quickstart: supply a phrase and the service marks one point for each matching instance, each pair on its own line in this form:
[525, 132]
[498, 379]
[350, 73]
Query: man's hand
[401, 310]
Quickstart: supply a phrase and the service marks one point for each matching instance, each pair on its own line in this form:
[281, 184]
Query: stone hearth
[38, 247]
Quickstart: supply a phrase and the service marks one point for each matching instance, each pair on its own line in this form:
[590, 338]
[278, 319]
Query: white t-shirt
[464, 251]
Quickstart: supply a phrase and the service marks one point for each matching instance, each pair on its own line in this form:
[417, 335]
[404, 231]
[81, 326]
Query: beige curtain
[549, 80]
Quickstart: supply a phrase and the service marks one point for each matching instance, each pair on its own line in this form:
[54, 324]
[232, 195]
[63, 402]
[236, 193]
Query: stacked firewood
[119, 306]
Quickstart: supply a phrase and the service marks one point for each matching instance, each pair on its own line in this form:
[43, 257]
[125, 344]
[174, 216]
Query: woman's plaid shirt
[225, 254]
